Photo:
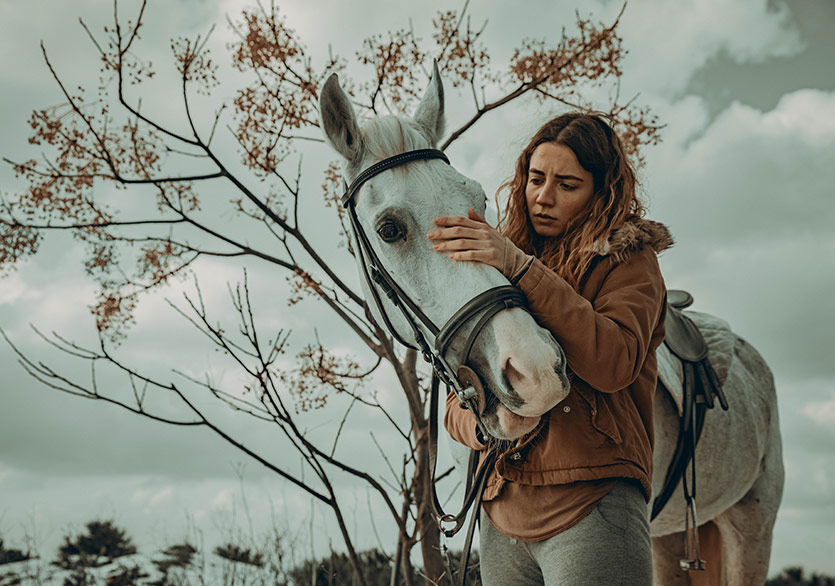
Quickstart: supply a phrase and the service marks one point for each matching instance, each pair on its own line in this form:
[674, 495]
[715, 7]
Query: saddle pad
[720, 351]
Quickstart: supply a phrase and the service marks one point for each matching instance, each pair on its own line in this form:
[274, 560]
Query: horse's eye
[391, 231]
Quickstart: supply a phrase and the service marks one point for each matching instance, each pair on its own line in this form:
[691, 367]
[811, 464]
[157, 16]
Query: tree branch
[525, 87]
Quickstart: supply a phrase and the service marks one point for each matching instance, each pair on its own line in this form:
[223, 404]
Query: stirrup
[694, 561]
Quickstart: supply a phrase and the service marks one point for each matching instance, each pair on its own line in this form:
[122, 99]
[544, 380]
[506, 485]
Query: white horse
[739, 459]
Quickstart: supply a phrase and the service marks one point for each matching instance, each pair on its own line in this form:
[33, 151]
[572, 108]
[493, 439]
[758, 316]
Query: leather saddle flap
[683, 337]
[719, 340]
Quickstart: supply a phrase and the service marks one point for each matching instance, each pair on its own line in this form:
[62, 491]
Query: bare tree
[91, 145]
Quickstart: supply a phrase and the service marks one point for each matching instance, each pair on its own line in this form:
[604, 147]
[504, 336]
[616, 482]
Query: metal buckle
[472, 393]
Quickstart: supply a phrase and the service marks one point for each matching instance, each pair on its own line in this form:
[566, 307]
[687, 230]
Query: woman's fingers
[461, 244]
[456, 232]
[482, 251]
[445, 221]
[460, 227]
[473, 215]
[468, 239]
[482, 256]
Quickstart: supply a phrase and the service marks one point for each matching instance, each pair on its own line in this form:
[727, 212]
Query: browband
[395, 161]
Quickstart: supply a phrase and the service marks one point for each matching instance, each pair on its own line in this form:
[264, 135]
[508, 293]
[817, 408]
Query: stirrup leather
[693, 559]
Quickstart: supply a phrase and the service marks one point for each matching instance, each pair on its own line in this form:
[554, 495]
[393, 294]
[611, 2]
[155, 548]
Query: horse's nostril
[512, 377]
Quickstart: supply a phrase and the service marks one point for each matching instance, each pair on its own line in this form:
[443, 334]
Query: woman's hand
[473, 239]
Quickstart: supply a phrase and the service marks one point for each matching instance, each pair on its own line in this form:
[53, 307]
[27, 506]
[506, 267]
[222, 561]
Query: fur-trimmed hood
[634, 235]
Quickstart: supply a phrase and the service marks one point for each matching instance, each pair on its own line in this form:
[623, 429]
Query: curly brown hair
[600, 152]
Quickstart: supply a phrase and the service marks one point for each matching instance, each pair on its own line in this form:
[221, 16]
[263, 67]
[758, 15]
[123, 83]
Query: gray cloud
[725, 79]
[752, 175]
[749, 202]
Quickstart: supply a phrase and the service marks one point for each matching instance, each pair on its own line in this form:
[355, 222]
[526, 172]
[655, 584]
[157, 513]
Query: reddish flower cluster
[332, 190]
[462, 57]
[319, 374]
[302, 284]
[114, 313]
[395, 57]
[282, 96]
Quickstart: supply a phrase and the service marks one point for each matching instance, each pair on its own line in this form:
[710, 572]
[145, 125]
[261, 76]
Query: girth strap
[690, 430]
[700, 385]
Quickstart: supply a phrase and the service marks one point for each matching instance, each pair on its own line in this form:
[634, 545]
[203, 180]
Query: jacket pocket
[602, 418]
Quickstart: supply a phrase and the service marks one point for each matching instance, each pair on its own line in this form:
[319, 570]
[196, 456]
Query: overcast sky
[743, 178]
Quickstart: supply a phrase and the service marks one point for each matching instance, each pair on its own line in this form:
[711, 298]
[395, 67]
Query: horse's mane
[386, 136]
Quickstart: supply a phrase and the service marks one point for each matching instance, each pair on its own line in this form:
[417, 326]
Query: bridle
[463, 381]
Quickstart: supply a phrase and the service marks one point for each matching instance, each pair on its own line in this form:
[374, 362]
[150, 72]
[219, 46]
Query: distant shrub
[176, 556]
[242, 555]
[103, 543]
[473, 576]
[123, 576]
[794, 576]
[336, 570]
[9, 556]
[376, 566]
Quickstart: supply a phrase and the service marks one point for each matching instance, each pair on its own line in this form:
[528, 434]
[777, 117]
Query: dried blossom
[302, 284]
[16, 242]
[282, 96]
[320, 373]
[102, 256]
[332, 190]
[592, 56]
[195, 64]
[160, 260]
[462, 58]
[636, 127]
[114, 313]
[395, 57]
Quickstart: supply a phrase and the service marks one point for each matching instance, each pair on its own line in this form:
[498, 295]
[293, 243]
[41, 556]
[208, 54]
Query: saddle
[698, 389]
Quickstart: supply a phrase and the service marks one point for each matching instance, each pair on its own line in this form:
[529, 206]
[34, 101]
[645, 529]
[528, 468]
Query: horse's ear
[338, 120]
[430, 111]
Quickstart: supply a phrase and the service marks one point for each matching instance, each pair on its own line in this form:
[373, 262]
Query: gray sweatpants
[609, 547]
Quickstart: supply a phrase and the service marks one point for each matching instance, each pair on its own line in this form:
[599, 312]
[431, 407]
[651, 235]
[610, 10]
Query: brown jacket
[609, 332]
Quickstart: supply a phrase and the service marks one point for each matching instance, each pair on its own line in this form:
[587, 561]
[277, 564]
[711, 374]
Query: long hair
[599, 151]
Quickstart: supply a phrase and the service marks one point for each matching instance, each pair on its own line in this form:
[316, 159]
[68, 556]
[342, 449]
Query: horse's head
[521, 367]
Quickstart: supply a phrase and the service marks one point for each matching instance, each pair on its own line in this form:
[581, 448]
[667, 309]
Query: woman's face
[557, 189]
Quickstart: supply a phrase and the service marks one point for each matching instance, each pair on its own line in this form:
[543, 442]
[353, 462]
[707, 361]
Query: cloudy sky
[743, 178]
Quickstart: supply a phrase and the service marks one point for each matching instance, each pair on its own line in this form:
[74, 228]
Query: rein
[463, 381]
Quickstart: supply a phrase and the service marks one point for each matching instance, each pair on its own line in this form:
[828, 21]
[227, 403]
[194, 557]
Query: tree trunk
[427, 527]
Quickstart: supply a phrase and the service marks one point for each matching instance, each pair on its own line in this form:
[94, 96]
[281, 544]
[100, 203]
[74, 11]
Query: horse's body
[739, 457]
[739, 467]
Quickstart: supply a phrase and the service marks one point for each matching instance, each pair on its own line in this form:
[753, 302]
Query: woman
[567, 504]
